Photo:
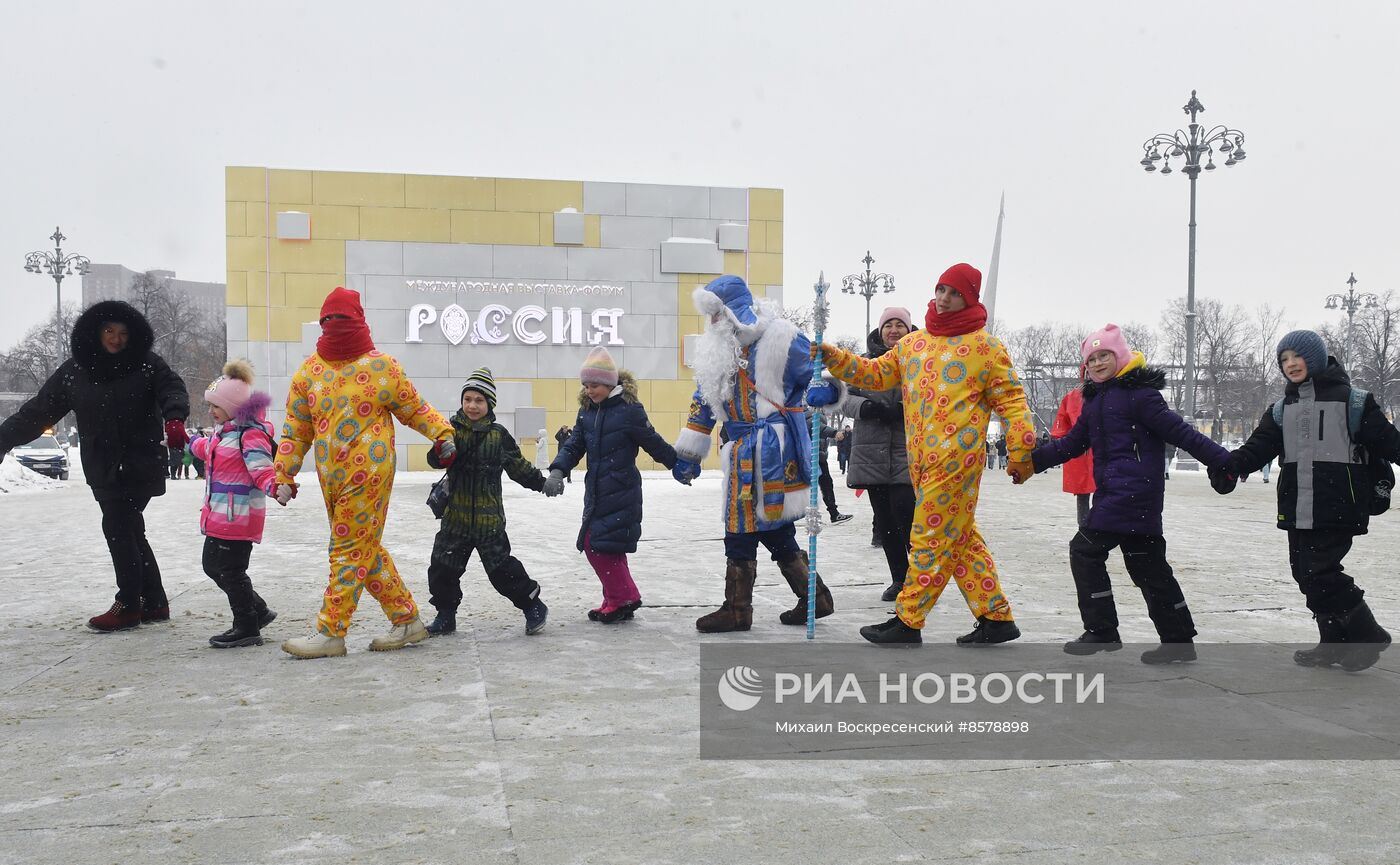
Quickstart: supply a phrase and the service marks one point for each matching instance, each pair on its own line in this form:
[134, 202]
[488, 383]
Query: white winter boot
[317, 645]
[400, 636]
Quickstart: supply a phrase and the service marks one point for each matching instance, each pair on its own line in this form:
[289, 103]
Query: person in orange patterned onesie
[344, 399]
[952, 377]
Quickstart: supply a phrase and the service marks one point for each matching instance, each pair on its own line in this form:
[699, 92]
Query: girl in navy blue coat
[612, 424]
[1128, 425]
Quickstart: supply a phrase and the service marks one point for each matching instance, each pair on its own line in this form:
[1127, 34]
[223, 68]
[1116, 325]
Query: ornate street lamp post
[866, 285]
[1191, 144]
[1351, 302]
[58, 265]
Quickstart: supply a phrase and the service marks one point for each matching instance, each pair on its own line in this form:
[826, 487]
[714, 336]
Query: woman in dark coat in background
[127, 400]
[879, 461]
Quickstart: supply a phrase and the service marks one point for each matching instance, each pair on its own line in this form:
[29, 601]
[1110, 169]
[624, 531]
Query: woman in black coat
[127, 400]
[612, 425]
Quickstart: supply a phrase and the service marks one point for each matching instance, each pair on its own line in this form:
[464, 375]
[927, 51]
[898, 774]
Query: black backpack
[1378, 469]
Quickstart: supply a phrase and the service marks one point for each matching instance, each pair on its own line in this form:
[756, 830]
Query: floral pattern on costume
[950, 386]
[347, 411]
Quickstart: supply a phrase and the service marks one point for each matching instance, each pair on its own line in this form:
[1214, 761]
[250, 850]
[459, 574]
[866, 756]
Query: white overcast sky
[891, 126]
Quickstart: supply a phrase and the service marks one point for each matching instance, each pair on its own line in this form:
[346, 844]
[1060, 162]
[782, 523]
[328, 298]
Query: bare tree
[1264, 375]
[1047, 358]
[193, 345]
[1143, 338]
[45, 346]
[1222, 346]
[1376, 346]
[1171, 349]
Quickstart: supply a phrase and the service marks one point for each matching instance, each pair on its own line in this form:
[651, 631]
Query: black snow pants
[1316, 559]
[226, 563]
[1145, 557]
[138, 574]
[449, 562]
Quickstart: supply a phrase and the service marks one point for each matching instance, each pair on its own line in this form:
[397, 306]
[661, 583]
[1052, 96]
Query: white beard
[717, 362]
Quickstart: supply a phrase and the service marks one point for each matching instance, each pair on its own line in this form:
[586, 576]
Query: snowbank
[15, 478]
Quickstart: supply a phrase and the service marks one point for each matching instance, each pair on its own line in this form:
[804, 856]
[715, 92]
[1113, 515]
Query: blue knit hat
[1306, 344]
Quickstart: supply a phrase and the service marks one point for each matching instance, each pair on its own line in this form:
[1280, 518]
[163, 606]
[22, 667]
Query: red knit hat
[343, 301]
[966, 279]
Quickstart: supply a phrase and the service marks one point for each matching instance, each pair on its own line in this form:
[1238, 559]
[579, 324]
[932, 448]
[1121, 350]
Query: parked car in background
[45, 456]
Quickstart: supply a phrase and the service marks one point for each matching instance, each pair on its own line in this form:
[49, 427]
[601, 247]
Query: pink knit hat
[893, 312]
[1107, 338]
[232, 389]
[599, 368]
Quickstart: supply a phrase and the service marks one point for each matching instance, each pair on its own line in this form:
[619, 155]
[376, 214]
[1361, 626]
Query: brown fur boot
[736, 614]
[795, 572]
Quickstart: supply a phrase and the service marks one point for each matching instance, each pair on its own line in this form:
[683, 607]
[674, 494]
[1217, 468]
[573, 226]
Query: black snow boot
[1170, 653]
[1331, 647]
[245, 632]
[1365, 639]
[241, 600]
[1090, 643]
[445, 622]
[265, 616]
[988, 632]
[892, 632]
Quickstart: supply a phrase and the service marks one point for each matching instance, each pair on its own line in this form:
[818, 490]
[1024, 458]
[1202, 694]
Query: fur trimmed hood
[625, 380]
[86, 340]
[1141, 377]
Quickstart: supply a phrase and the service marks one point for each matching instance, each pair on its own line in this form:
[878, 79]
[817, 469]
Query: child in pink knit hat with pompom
[239, 479]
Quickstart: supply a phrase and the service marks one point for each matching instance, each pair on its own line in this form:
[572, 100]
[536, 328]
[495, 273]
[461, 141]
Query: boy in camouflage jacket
[475, 518]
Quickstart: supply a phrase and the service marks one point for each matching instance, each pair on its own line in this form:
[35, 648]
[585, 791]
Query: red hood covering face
[343, 338]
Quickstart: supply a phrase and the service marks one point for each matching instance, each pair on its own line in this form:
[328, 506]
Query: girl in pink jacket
[239, 479]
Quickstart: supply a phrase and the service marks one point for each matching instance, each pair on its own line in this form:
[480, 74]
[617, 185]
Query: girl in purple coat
[1128, 425]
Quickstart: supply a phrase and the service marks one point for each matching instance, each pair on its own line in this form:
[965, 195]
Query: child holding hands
[239, 478]
[1323, 432]
[611, 426]
[1127, 423]
[475, 519]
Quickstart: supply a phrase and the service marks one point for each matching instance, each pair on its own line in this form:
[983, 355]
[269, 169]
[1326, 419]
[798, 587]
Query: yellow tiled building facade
[522, 276]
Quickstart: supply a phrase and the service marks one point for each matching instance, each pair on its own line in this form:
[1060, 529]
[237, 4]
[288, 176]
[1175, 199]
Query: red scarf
[344, 339]
[965, 320]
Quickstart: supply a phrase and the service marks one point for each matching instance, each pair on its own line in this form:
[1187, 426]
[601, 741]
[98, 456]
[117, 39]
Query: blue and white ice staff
[814, 515]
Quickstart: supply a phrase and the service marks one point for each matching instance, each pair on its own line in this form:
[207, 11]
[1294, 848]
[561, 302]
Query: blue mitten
[824, 394]
[685, 471]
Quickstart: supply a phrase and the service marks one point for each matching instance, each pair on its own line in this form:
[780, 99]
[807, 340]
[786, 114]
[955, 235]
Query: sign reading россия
[496, 323]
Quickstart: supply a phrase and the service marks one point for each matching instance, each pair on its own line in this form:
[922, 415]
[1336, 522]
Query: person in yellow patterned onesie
[344, 399]
[952, 377]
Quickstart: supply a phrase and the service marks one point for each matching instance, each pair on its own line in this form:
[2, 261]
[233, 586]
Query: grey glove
[554, 484]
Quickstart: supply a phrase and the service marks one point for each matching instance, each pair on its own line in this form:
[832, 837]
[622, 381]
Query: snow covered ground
[580, 745]
[15, 478]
